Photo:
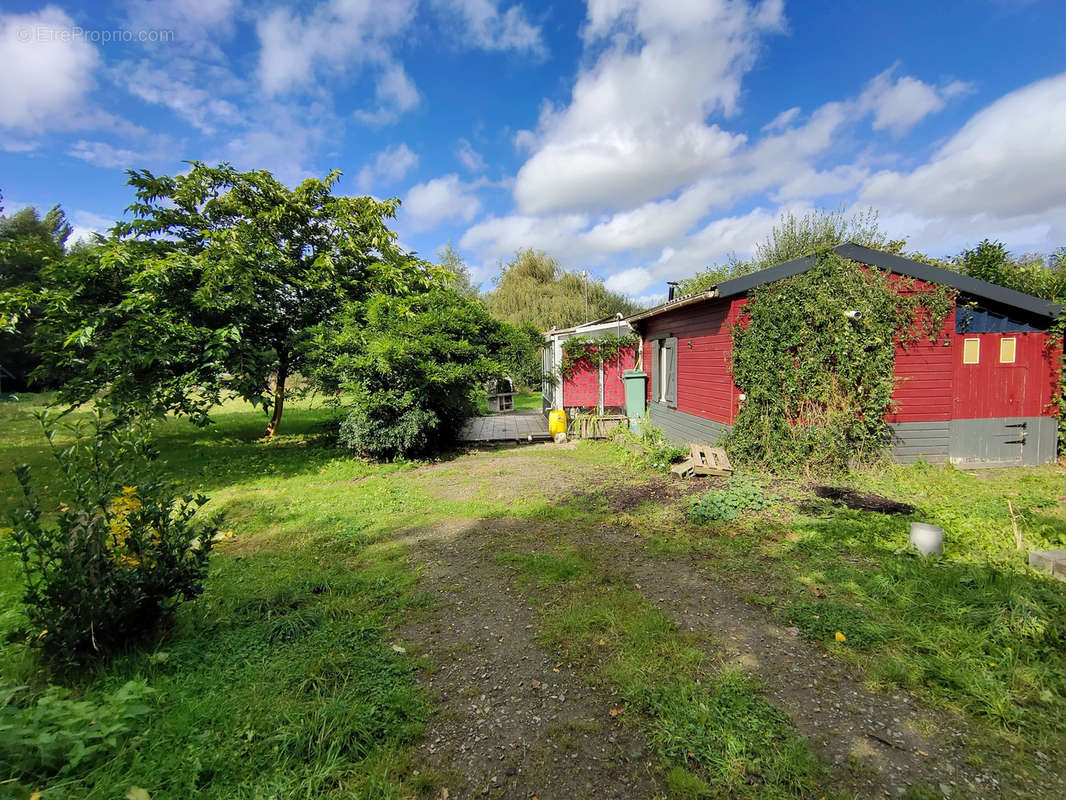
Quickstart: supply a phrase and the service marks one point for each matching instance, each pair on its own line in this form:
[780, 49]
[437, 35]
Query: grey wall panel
[920, 441]
[685, 428]
[1004, 441]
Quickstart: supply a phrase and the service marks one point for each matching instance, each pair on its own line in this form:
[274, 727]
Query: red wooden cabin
[982, 394]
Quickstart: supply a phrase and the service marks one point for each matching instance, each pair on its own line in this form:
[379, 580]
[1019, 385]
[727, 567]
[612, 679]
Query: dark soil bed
[862, 501]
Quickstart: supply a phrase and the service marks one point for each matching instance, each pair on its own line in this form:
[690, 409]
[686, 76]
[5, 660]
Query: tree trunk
[279, 396]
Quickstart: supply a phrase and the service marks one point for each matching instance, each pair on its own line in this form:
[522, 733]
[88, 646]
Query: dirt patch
[621, 497]
[862, 501]
[513, 721]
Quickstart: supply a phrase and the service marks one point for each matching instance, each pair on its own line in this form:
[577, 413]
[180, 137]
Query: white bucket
[927, 539]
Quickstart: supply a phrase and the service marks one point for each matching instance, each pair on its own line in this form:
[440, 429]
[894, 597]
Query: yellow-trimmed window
[1007, 350]
[971, 351]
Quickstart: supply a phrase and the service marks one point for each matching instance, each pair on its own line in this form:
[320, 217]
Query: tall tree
[455, 264]
[532, 289]
[793, 237]
[29, 244]
[213, 287]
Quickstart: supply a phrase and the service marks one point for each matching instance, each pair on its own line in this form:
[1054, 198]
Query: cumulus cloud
[1002, 171]
[387, 166]
[46, 77]
[636, 125]
[154, 151]
[202, 109]
[446, 198]
[333, 36]
[483, 25]
[898, 104]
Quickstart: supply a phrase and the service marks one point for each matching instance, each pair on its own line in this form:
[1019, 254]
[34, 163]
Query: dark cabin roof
[974, 288]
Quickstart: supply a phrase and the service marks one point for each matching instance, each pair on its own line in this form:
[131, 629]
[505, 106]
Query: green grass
[715, 733]
[977, 631]
[280, 680]
[523, 401]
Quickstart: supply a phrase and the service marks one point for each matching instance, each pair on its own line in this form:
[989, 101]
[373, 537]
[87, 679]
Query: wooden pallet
[703, 461]
[709, 460]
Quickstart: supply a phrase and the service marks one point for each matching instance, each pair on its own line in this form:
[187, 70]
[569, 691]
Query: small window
[663, 352]
[971, 351]
[1007, 349]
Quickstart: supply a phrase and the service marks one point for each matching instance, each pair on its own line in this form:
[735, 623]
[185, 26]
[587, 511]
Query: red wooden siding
[990, 389]
[932, 382]
[924, 378]
[582, 388]
[704, 355]
[614, 389]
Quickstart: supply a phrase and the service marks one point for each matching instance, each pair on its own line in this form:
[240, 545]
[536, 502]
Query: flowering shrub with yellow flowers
[117, 554]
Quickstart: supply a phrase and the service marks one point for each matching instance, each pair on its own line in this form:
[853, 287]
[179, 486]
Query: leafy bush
[121, 551]
[739, 496]
[412, 366]
[54, 734]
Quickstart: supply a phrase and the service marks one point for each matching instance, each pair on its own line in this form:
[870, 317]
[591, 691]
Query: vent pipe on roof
[672, 289]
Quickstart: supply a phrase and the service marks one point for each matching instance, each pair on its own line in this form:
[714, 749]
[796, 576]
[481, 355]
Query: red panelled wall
[932, 382]
[704, 356]
[582, 388]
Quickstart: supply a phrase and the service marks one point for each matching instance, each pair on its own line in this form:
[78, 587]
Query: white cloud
[334, 36]
[1004, 167]
[192, 20]
[469, 157]
[446, 198]
[395, 92]
[484, 26]
[204, 110]
[154, 151]
[782, 120]
[87, 223]
[636, 127]
[388, 166]
[500, 237]
[898, 104]
[46, 76]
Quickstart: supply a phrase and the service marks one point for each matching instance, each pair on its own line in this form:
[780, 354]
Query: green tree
[1035, 274]
[213, 288]
[532, 289]
[793, 237]
[408, 367]
[450, 259]
[29, 243]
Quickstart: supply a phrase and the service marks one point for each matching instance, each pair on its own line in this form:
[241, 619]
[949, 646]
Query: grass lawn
[286, 679]
[523, 401]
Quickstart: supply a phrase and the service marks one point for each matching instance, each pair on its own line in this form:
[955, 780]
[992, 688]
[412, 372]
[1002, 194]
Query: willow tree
[533, 289]
[212, 288]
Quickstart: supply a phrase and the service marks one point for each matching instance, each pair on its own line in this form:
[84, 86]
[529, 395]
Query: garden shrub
[117, 554]
[739, 496]
[410, 368]
[53, 734]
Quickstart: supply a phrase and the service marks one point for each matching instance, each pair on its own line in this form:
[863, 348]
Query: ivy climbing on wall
[814, 355]
[595, 350]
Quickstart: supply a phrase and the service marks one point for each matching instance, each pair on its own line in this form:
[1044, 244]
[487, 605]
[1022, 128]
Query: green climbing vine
[814, 355]
[597, 350]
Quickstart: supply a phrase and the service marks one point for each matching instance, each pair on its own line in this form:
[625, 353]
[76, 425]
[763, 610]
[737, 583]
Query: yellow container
[556, 422]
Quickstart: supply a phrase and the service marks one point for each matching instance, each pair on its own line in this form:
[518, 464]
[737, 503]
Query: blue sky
[640, 140]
